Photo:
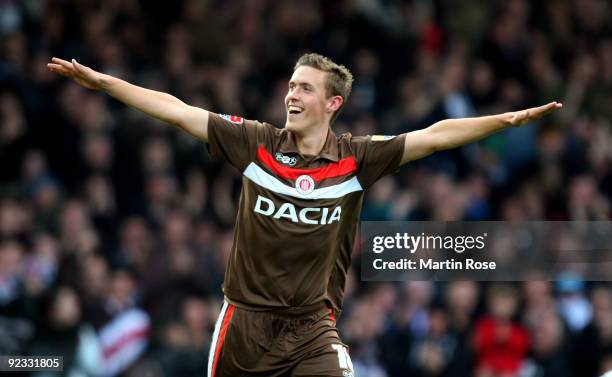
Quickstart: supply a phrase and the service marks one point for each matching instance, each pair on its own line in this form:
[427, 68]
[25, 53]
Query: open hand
[83, 75]
[518, 118]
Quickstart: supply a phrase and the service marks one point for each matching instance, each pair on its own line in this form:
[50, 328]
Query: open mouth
[295, 110]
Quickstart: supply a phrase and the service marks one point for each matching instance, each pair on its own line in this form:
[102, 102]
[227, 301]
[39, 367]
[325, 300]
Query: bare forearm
[162, 106]
[452, 133]
[159, 105]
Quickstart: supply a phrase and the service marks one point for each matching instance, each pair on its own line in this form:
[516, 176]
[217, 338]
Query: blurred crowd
[115, 229]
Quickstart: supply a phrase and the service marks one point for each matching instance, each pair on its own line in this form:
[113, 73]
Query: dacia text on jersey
[266, 207]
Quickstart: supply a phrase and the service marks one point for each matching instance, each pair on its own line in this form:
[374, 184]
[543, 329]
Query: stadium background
[112, 223]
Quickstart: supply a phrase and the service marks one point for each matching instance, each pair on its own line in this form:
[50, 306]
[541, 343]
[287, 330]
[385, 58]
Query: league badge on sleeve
[232, 118]
[382, 137]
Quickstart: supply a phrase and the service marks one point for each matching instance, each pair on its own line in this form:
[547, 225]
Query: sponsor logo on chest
[287, 160]
[307, 215]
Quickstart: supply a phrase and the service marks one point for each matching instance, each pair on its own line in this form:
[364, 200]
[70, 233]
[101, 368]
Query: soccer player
[299, 207]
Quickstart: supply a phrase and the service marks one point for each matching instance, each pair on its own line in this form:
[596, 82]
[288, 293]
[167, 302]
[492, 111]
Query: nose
[291, 97]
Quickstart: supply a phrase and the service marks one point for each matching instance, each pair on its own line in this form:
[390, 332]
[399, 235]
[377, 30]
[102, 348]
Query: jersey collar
[329, 151]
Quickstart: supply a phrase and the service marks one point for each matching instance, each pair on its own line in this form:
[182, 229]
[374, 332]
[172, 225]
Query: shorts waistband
[290, 311]
[299, 311]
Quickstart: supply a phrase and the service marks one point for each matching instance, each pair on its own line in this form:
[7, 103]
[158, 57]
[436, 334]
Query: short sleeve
[236, 139]
[377, 156]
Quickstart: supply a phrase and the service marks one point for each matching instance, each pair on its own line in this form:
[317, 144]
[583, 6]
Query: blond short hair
[339, 79]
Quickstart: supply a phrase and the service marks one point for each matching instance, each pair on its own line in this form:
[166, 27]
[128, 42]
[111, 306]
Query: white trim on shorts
[215, 339]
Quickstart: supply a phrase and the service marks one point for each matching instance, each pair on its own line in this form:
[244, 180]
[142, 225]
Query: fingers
[62, 67]
[71, 69]
[70, 66]
[82, 70]
[550, 106]
[77, 65]
[57, 68]
[62, 62]
[527, 115]
[538, 112]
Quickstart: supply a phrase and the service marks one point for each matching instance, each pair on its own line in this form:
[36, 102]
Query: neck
[311, 143]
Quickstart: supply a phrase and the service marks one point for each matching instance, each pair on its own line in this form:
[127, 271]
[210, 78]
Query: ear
[334, 103]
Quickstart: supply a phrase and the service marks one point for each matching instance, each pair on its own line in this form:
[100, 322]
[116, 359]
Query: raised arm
[162, 106]
[452, 133]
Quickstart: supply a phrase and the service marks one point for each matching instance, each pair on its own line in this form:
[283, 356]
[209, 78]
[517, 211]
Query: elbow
[444, 144]
[446, 135]
[178, 121]
[439, 140]
[181, 116]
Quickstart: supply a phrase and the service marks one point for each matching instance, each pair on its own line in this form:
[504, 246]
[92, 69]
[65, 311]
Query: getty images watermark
[413, 243]
[495, 251]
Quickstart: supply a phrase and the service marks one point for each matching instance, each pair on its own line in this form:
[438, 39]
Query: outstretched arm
[452, 133]
[159, 105]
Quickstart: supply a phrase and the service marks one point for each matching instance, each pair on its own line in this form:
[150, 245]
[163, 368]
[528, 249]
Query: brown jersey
[298, 215]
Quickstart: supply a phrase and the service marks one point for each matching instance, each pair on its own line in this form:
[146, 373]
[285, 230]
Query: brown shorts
[289, 342]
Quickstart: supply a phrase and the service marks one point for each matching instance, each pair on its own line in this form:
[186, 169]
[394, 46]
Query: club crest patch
[232, 118]
[304, 184]
[382, 137]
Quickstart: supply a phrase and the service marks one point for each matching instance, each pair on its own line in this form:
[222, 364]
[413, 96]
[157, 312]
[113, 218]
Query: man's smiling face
[307, 102]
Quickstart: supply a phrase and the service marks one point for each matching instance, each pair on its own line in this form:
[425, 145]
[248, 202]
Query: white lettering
[324, 216]
[266, 207]
[335, 215]
[287, 210]
[305, 219]
[471, 264]
[377, 248]
[267, 212]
